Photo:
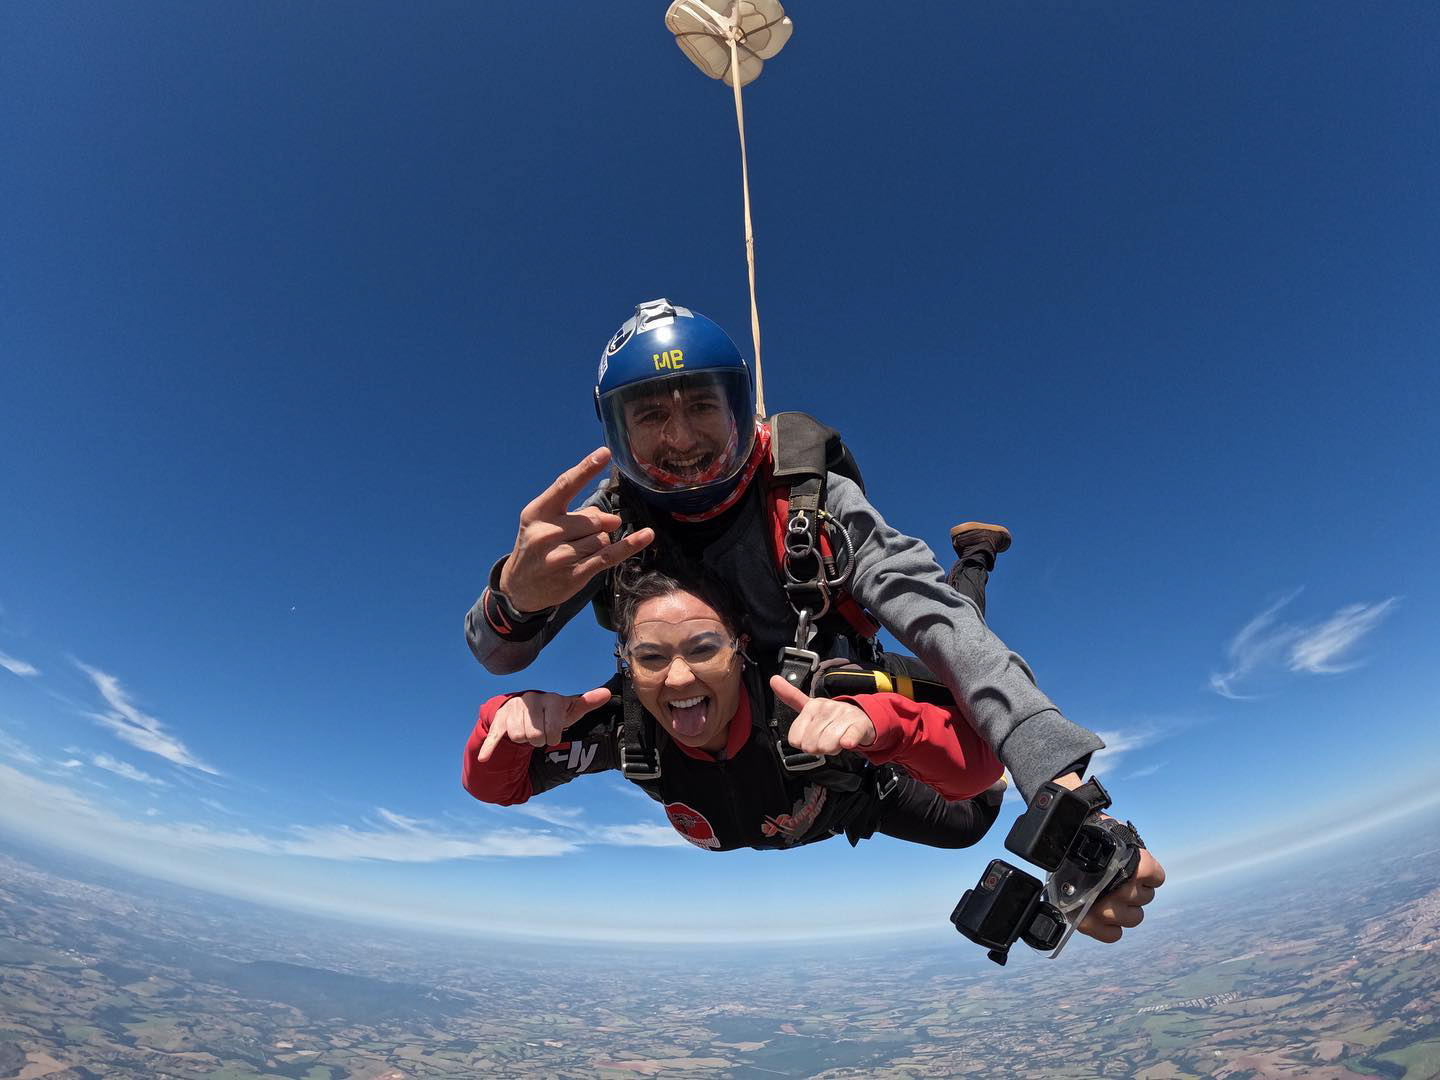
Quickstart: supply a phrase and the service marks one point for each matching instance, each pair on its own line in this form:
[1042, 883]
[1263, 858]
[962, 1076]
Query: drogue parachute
[758, 29]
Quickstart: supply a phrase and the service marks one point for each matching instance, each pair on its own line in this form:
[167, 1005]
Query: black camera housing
[1085, 854]
[1045, 833]
[1006, 905]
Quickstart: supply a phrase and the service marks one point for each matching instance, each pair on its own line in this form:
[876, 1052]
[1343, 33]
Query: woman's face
[685, 664]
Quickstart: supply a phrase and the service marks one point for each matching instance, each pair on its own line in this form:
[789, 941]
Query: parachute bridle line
[749, 230]
[729, 27]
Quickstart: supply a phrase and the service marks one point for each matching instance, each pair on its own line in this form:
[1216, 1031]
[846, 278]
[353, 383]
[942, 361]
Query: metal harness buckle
[797, 667]
[636, 764]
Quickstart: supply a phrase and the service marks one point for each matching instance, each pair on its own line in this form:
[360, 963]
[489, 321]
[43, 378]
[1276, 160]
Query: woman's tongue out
[687, 716]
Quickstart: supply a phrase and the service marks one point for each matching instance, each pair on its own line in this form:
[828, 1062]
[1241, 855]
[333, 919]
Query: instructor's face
[685, 664]
[683, 431]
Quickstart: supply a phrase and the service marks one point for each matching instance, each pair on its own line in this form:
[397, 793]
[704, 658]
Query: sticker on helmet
[622, 335]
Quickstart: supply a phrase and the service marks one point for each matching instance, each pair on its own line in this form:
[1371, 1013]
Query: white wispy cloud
[125, 769]
[1118, 743]
[18, 667]
[1146, 770]
[16, 750]
[567, 817]
[1322, 649]
[137, 728]
[41, 806]
[396, 838]
[415, 842]
[644, 834]
[1266, 645]
[1259, 642]
[638, 836]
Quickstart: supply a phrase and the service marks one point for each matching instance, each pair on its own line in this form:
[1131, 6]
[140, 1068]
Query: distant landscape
[1325, 969]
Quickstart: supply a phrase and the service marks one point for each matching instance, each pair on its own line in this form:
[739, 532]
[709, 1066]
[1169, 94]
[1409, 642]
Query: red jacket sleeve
[935, 745]
[505, 778]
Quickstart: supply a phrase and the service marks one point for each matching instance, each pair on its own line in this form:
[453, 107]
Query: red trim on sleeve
[505, 778]
[936, 745]
[493, 613]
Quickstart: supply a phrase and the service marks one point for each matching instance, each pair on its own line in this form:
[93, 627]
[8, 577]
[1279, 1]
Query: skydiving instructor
[692, 475]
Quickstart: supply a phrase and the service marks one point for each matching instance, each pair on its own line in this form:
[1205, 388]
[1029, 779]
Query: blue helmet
[678, 407]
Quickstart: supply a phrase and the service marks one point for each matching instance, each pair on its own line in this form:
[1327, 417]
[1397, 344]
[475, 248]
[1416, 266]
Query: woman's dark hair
[637, 581]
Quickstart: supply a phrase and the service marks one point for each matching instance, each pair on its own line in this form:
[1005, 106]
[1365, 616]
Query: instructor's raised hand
[557, 551]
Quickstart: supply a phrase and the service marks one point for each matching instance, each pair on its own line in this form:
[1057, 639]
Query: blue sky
[299, 305]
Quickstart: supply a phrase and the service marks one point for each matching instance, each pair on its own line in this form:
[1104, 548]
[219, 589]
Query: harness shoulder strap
[801, 446]
[639, 756]
[803, 452]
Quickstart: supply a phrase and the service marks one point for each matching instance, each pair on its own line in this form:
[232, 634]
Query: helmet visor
[683, 432]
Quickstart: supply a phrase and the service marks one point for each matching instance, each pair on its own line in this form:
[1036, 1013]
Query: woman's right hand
[822, 726]
[538, 718]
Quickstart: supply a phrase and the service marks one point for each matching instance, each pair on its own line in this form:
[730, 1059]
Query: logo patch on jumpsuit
[802, 815]
[692, 825]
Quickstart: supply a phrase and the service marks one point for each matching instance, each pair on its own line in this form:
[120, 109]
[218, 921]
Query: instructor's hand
[538, 718]
[1123, 909]
[823, 726]
[558, 551]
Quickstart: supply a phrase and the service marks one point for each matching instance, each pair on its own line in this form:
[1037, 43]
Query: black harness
[640, 747]
[865, 788]
[803, 451]
[814, 559]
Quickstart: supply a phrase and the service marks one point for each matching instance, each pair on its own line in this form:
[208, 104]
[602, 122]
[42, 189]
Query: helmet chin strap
[670, 481]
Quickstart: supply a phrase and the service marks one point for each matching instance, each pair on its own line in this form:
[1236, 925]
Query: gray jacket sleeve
[899, 581]
[504, 656]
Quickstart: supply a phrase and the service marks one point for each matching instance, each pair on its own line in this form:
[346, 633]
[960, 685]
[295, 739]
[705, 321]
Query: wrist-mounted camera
[1084, 854]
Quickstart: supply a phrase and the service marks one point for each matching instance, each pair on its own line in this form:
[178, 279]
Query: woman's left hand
[823, 726]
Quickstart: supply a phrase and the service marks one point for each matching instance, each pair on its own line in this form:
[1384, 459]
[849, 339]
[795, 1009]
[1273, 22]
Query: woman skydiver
[904, 768]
